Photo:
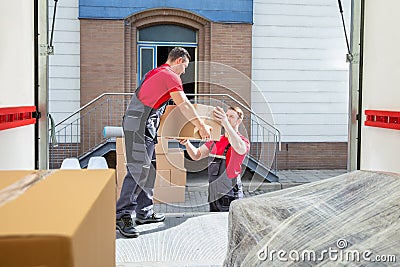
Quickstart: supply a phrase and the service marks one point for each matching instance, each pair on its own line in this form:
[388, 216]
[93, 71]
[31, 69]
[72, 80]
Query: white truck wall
[17, 80]
[299, 65]
[381, 83]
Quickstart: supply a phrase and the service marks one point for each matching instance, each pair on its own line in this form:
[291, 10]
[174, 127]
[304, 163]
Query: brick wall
[231, 51]
[102, 58]
[60, 152]
[306, 156]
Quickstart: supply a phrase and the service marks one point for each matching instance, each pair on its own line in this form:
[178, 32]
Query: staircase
[81, 134]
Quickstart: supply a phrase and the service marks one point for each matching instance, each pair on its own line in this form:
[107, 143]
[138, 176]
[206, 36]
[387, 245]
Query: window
[167, 33]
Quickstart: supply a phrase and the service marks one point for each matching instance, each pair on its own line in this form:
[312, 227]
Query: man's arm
[190, 113]
[235, 140]
[195, 153]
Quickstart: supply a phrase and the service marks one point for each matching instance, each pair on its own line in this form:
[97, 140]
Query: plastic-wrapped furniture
[348, 220]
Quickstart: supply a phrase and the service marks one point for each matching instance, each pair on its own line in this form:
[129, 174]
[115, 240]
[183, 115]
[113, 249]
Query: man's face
[233, 118]
[182, 64]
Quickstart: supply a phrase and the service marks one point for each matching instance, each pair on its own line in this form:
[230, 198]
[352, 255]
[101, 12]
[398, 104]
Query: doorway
[154, 44]
[152, 56]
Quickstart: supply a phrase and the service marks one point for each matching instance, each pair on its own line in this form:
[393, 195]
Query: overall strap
[141, 83]
[226, 149]
[235, 187]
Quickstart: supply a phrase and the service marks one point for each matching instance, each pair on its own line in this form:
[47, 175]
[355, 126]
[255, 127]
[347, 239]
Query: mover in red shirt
[226, 158]
[140, 124]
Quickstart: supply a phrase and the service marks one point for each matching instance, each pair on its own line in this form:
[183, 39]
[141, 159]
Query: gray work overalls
[140, 125]
[221, 189]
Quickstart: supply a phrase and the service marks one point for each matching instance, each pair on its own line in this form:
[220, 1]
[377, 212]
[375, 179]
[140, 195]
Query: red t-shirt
[158, 85]
[233, 159]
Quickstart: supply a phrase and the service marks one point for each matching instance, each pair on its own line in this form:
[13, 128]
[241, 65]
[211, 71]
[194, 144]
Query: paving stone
[191, 235]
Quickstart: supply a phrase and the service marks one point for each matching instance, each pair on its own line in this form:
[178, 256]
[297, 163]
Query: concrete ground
[191, 235]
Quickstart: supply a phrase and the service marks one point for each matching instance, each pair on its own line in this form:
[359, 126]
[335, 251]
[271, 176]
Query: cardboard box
[178, 177]
[162, 145]
[170, 161]
[171, 194]
[118, 192]
[120, 146]
[163, 178]
[66, 219]
[174, 150]
[121, 172]
[120, 175]
[174, 124]
[120, 160]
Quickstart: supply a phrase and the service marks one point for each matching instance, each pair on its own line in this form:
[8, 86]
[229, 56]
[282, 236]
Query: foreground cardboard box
[66, 219]
[174, 124]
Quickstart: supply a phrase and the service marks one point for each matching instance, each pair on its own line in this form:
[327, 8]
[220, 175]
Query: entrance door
[154, 44]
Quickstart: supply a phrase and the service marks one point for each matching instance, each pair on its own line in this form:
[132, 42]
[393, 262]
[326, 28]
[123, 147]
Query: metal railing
[82, 131]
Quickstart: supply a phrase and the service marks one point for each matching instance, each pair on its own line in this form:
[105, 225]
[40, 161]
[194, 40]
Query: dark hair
[178, 52]
[238, 111]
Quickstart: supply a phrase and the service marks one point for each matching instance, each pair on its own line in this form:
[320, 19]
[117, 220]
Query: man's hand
[205, 131]
[220, 116]
[183, 141]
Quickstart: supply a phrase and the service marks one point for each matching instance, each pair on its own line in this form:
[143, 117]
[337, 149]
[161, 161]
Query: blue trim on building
[228, 11]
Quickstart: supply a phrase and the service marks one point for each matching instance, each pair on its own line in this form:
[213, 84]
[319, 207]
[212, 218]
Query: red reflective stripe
[12, 117]
[383, 119]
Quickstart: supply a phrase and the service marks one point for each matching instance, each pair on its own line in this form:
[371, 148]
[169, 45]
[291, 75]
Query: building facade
[288, 60]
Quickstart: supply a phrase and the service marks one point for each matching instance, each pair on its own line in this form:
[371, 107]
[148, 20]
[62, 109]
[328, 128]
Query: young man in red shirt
[140, 125]
[226, 158]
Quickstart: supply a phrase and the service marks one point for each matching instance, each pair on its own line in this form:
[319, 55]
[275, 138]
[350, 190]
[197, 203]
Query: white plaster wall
[299, 67]
[17, 81]
[64, 65]
[381, 83]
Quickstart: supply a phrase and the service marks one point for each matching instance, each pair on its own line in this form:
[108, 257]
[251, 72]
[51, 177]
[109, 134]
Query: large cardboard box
[174, 124]
[65, 219]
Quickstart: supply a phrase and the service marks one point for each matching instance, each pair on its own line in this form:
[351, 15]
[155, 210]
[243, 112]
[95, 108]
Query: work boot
[153, 218]
[125, 227]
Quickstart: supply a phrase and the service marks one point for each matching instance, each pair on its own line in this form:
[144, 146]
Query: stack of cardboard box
[120, 164]
[170, 181]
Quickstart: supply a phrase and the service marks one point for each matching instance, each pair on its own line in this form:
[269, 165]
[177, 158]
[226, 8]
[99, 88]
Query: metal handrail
[82, 134]
[88, 104]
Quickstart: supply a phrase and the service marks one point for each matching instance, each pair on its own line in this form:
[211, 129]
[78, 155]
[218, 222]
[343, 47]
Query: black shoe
[153, 218]
[125, 227]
